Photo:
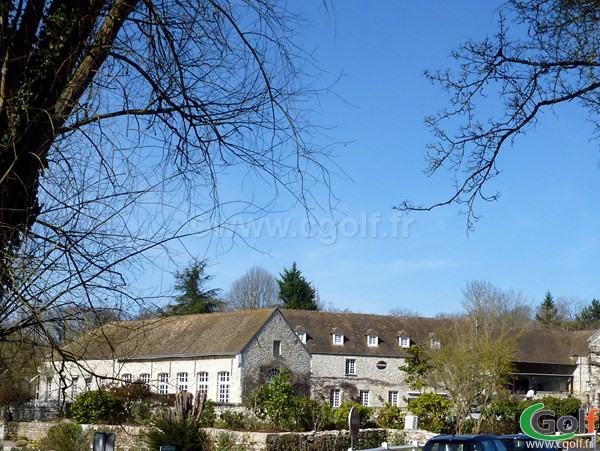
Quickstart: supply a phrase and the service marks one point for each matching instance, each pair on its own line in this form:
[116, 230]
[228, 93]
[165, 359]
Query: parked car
[522, 442]
[483, 442]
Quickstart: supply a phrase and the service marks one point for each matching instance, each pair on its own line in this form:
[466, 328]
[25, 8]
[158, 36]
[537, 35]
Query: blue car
[483, 442]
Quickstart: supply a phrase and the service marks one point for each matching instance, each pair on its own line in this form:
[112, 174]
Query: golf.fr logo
[540, 423]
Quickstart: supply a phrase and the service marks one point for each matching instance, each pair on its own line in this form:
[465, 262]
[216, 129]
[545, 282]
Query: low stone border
[128, 437]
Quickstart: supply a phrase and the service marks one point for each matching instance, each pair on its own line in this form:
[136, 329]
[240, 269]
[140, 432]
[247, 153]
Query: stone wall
[128, 437]
[378, 375]
[258, 357]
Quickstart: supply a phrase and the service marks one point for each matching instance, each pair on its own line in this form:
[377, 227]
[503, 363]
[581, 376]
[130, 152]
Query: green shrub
[390, 417]
[275, 401]
[66, 436]
[233, 420]
[312, 415]
[97, 406]
[185, 435]
[432, 410]
[340, 415]
[135, 399]
[226, 442]
[209, 415]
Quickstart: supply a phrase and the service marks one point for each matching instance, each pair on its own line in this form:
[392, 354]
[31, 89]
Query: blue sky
[542, 233]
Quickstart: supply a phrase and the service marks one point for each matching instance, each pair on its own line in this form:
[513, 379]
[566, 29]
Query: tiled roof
[552, 346]
[319, 327]
[225, 333]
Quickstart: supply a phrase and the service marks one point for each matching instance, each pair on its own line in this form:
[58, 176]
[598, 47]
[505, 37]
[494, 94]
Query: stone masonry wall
[128, 437]
[258, 358]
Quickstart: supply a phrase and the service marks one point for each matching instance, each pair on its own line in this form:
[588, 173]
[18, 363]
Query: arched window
[163, 384]
[223, 388]
[182, 381]
[271, 374]
[202, 383]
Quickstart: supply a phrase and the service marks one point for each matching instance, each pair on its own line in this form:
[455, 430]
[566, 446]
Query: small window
[364, 397]
[126, 378]
[75, 387]
[372, 340]
[334, 397]
[302, 336]
[102, 381]
[49, 388]
[435, 343]
[145, 379]
[350, 366]
[381, 365]
[202, 383]
[163, 384]
[276, 348]
[393, 398]
[182, 381]
[404, 342]
[88, 383]
[338, 339]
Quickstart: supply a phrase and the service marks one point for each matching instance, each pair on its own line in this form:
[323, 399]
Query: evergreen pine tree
[547, 314]
[194, 297]
[295, 292]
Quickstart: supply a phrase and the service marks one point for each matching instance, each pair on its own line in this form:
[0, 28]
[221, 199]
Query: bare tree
[404, 311]
[471, 365]
[553, 59]
[491, 307]
[257, 288]
[118, 119]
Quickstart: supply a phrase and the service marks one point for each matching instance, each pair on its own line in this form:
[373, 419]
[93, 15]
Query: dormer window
[301, 336]
[372, 340]
[435, 343]
[338, 339]
[404, 342]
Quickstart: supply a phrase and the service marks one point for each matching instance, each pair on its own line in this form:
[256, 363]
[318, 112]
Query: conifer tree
[295, 291]
[547, 314]
[194, 297]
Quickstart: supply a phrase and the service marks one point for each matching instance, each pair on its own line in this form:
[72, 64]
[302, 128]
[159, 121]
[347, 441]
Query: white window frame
[88, 383]
[49, 388]
[182, 381]
[163, 383]
[145, 379]
[404, 342]
[372, 341]
[223, 387]
[102, 381]
[393, 397]
[202, 383]
[276, 348]
[350, 367]
[272, 374]
[74, 387]
[302, 336]
[335, 397]
[435, 343]
[127, 378]
[338, 339]
[364, 397]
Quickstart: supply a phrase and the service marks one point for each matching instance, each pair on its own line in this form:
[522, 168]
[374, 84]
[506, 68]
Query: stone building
[219, 353]
[339, 356]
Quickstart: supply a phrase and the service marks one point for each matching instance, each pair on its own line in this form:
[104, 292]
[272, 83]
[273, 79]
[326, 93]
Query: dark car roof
[464, 437]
